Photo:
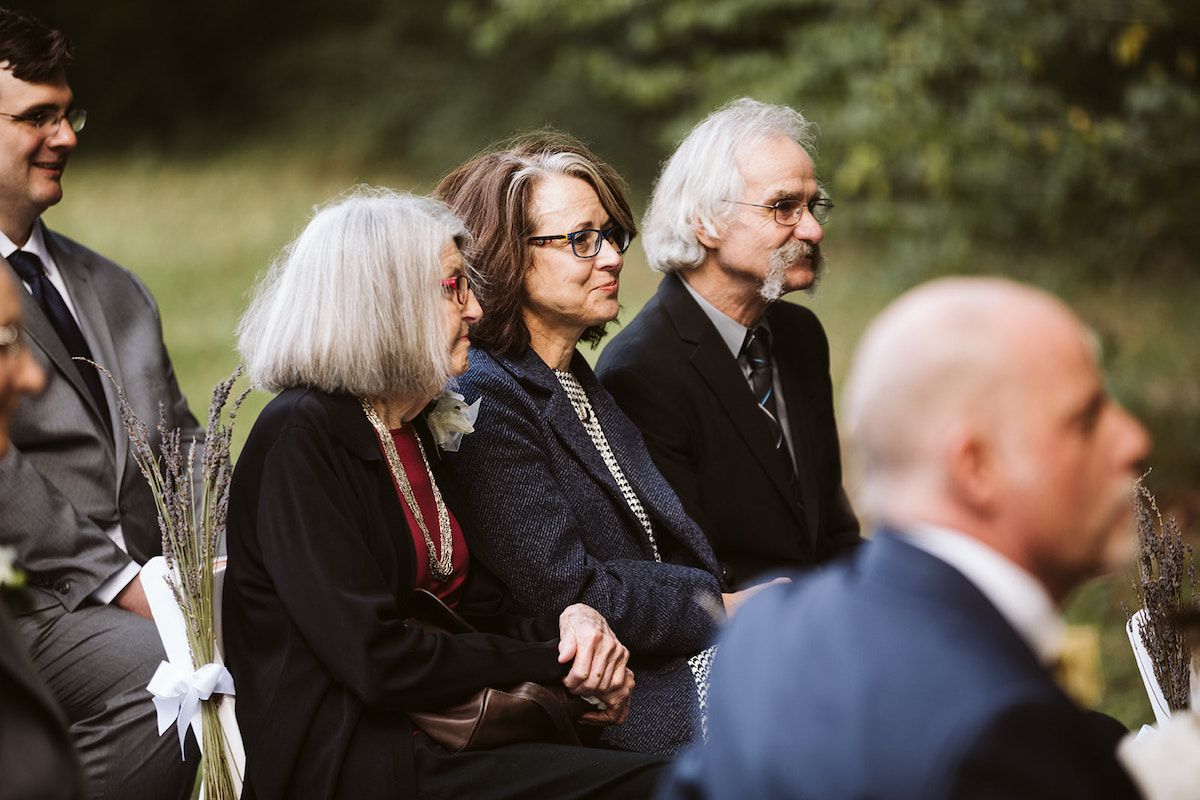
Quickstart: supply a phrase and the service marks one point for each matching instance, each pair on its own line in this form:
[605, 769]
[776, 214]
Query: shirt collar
[1018, 596]
[732, 332]
[36, 245]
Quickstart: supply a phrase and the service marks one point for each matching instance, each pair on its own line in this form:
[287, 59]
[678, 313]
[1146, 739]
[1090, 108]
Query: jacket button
[64, 587]
[726, 572]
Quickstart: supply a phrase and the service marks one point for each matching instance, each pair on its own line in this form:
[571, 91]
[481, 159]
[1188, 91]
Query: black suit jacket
[321, 566]
[673, 375]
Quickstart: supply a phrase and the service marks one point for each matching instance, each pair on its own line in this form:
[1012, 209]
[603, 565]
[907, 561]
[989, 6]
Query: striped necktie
[757, 351]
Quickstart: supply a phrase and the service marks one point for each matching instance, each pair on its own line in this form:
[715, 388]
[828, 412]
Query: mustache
[784, 258]
[791, 252]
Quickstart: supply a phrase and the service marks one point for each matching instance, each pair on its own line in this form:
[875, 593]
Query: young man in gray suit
[729, 385]
[74, 505]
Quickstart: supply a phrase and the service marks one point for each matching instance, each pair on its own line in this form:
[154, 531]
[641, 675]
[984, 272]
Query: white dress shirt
[733, 333]
[1018, 596]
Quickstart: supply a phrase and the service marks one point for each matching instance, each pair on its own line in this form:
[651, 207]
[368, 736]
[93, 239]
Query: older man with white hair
[999, 471]
[729, 384]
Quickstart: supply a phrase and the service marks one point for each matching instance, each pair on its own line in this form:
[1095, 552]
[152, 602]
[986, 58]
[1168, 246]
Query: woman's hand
[615, 706]
[598, 658]
[734, 600]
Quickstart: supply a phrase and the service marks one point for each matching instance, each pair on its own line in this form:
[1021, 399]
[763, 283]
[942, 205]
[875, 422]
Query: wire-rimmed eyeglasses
[790, 212]
[586, 243]
[47, 122]
[458, 286]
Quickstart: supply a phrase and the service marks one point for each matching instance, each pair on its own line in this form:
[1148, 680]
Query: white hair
[352, 304]
[703, 172]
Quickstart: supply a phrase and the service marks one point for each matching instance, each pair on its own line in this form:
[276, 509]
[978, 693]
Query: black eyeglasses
[459, 286]
[586, 243]
[790, 212]
[48, 121]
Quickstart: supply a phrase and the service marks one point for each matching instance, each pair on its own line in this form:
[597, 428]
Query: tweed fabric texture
[579, 400]
[556, 527]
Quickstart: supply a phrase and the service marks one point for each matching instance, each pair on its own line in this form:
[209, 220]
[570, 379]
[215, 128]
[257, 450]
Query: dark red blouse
[422, 486]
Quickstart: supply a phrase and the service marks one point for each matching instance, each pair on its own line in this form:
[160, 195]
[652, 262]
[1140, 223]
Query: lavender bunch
[191, 537]
[1166, 589]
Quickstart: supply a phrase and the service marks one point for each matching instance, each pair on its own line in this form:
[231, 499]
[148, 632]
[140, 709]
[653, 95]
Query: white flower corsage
[451, 419]
[9, 574]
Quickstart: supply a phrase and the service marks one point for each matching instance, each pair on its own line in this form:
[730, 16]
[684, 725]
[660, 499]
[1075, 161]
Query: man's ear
[705, 234]
[974, 474]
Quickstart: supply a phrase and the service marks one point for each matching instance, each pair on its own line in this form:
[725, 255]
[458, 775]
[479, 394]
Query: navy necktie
[30, 268]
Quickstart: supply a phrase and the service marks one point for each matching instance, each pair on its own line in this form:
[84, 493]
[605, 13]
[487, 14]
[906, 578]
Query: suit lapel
[891, 564]
[42, 333]
[542, 385]
[797, 391]
[93, 322]
[719, 369]
[656, 495]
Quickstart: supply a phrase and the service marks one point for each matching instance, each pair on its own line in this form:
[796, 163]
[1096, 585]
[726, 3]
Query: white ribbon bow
[451, 419]
[177, 693]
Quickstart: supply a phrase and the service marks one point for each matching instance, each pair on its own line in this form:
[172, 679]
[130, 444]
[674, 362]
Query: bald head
[944, 355]
[967, 398]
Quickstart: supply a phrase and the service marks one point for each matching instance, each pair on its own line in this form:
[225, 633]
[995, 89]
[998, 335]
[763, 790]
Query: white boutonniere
[451, 419]
[9, 574]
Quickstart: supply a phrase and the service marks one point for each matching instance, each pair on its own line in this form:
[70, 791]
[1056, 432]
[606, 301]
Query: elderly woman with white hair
[340, 508]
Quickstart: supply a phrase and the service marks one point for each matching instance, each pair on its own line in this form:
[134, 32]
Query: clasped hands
[597, 663]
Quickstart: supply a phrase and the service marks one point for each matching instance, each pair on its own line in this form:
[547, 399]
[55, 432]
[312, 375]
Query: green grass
[198, 232]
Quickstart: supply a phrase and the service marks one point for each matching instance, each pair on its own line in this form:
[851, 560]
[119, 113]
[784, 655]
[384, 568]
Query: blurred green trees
[1054, 141]
[1071, 124]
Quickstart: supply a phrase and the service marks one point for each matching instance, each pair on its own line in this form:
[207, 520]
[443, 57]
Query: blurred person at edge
[37, 758]
[736, 222]
[75, 506]
[999, 472]
[571, 505]
[340, 507]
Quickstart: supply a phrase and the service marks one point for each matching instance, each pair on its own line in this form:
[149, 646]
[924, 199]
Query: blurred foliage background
[1055, 142]
[1066, 124]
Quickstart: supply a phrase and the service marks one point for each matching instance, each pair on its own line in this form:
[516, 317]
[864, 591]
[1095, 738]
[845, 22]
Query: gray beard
[783, 259]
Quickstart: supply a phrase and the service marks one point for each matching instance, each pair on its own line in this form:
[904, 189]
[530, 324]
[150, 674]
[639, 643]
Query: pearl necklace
[440, 567]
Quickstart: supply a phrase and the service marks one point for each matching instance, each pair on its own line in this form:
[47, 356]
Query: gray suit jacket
[65, 479]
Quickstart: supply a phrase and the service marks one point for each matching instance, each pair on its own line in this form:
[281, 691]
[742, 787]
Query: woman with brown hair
[572, 509]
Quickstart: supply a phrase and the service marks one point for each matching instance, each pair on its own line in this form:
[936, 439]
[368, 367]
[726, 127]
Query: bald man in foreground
[999, 473]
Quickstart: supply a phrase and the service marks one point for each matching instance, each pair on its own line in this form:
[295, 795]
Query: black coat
[321, 564]
[37, 757]
[671, 372]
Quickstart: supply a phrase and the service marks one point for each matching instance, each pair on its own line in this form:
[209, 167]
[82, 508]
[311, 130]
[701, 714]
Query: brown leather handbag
[527, 712]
